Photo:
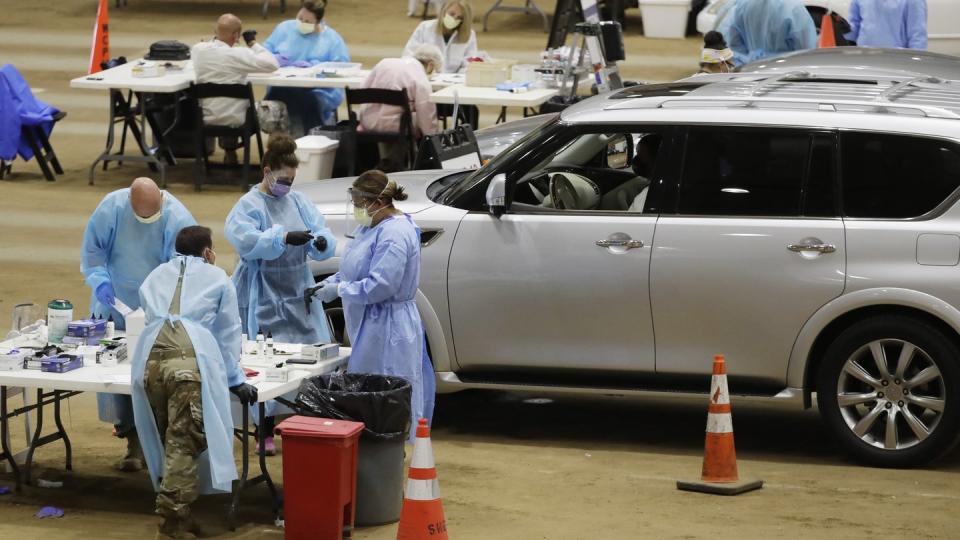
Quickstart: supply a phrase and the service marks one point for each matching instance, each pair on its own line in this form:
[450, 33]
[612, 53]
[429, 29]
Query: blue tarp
[19, 108]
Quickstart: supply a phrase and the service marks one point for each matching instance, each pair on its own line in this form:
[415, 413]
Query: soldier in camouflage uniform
[172, 384]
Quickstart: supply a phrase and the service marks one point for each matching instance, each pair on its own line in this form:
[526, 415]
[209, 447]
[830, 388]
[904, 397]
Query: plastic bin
[319, 477]
[383, 404]
[316, 154]
[665, 18]
[489, 73]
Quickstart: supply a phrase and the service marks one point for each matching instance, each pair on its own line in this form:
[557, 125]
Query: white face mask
[450, 22]
[306, 28]
[152, 219]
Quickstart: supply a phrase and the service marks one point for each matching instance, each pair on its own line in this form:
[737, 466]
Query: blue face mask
[280, 186]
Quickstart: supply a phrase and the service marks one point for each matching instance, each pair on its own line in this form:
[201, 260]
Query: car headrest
[569, 191]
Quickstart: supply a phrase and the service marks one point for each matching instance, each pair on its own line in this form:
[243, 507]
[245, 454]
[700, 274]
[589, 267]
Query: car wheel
[889, 389]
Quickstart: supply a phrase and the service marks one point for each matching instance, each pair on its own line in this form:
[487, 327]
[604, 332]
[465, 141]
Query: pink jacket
[400, 74]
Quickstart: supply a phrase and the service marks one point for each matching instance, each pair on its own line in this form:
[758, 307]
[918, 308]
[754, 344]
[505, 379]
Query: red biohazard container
[319, 477]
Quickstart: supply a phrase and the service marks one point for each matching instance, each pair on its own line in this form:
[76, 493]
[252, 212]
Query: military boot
[174, 527]
[133, 461]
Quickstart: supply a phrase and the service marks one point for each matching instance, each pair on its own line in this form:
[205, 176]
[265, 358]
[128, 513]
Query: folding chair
[250, 128]
[396, 98]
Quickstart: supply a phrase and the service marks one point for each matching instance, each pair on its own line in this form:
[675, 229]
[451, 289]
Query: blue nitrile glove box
[61, 363]
[87, 328]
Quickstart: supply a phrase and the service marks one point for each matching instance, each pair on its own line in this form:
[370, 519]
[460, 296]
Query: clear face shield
[355, 210]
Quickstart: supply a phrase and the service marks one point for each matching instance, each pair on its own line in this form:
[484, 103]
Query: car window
[744, 172]
[896, 176]
[598, 171]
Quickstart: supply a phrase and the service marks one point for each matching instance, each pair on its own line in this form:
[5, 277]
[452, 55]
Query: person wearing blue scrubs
[185, 362]
[760, 29]
[377, 283]
[275, 231]
[303, 42]
[889, 23]
[131, 232]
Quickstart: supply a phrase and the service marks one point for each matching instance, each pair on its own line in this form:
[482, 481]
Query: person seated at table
[412, 75]
[452, 31]
[185, 362]
[131, 232]
[303, 42]
[219, 61]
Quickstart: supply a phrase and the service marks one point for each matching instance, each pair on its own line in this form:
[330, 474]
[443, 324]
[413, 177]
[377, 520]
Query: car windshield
[515, 150]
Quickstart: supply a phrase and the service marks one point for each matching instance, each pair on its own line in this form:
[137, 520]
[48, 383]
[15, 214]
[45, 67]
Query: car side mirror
[497, 195]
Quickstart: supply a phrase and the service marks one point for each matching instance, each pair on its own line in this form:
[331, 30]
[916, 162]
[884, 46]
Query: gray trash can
[383, 404]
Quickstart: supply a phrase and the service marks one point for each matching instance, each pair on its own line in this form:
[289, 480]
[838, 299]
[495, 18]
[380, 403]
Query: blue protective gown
[889, 23]
[119, 249]
[272, 275]
[758, 29]
[9, 124]
[312, 107]
[378, 279]
[209, 313]
[30, 111]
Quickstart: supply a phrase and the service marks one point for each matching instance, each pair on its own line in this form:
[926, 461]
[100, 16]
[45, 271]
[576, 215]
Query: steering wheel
[563, 194]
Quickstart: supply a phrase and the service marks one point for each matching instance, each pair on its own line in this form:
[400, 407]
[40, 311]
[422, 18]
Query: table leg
[35, 439]
[62, 432]
[261, 436]
[503, 116]
[109, 148]
[5, 438]
[244, 469]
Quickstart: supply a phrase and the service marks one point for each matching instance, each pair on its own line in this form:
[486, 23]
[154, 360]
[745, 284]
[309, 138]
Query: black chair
[396, 98]
[202, 131]
[43, 152]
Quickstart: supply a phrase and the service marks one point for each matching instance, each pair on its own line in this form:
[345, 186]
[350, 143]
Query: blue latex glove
[301, 64]
[282, 60]
[104, 294]
[328, 293]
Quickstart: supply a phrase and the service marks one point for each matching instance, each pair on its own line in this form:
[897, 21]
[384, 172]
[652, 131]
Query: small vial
[243, 344]
[270, 344]
[261, 351]
[111, 327]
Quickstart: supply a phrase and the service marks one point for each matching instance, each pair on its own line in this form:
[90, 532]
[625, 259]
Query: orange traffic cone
[100, 49]
[827, 37]
[422, 514]
[719, 473]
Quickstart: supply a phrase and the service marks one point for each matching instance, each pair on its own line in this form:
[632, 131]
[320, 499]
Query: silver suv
[805, 226]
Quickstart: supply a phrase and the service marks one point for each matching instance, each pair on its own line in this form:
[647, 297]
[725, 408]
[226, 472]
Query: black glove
[246, 393]
[320, 243]
[249, 36]
[298, 238]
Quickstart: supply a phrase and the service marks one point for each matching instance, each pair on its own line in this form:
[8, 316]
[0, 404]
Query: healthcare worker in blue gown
[131, 232]
[275, 231]
[303, 42]
[889, 23]
[377, 284]
[758, 29]
[184, 365]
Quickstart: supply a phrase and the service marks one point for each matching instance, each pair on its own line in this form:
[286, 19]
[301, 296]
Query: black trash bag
[381, 402]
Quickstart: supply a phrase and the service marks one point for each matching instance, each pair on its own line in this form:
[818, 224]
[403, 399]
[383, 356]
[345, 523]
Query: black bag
[381, 402]
[168, 50]
[451, 149]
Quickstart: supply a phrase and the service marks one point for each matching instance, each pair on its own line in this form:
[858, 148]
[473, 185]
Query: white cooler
[665, 18]
[316, 154]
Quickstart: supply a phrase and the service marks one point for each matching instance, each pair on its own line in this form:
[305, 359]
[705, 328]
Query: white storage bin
[665, 18]
[316, 154]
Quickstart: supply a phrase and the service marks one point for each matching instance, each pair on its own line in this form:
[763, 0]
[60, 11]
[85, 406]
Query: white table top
[121, 78]
[116, 380]
[477, 95]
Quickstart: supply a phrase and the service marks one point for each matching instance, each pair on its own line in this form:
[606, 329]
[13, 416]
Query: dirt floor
[510, 466]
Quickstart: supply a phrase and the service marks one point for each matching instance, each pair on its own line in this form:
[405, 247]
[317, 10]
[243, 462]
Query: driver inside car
[632, 194]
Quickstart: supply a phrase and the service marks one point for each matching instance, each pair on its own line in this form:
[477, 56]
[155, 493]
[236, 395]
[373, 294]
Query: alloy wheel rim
[891, 394]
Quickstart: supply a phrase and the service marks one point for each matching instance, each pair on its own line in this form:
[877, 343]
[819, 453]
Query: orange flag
[827, 37]
[100, 49]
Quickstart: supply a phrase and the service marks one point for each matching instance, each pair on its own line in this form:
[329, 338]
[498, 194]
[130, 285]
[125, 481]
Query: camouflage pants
[173, 390]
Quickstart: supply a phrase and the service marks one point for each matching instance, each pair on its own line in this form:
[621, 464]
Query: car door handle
[629, 244]
[822, 248]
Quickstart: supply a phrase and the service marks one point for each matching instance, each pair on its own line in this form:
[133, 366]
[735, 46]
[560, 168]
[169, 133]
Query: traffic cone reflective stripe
[719, 473]
[422, 514]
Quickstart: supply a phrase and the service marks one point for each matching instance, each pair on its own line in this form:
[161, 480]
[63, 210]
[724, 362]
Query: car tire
[857, 400]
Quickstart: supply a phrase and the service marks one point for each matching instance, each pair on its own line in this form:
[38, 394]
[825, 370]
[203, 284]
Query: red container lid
[320, 428]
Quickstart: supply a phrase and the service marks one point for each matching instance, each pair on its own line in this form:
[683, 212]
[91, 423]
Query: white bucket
[316, 154]
[665, 18]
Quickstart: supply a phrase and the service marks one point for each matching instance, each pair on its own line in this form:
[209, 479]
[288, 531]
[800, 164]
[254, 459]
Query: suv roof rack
[930, 96]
